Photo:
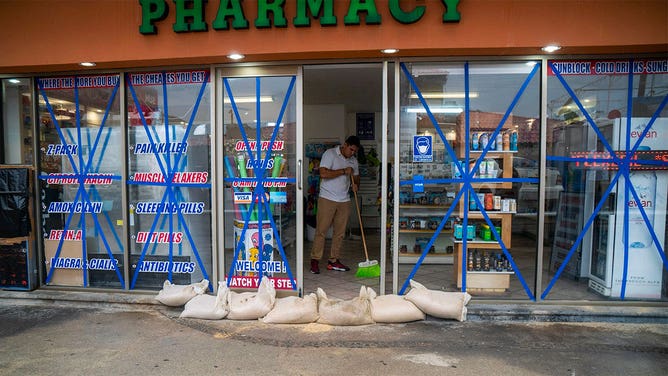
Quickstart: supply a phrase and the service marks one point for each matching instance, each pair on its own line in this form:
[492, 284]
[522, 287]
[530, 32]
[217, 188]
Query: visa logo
[243, 197]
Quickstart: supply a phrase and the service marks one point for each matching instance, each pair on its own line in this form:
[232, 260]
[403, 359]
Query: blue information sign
[422, 149]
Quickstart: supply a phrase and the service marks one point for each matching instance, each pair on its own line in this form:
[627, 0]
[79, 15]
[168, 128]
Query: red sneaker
[315, 269]
[337, 265]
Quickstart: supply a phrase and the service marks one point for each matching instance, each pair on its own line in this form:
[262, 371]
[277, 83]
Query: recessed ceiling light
[551, 48]
[236, 56]
[87, 64]
[14, 81]
[389, 51]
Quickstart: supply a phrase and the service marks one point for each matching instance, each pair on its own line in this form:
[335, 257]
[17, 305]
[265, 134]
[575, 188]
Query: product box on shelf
[470, 232]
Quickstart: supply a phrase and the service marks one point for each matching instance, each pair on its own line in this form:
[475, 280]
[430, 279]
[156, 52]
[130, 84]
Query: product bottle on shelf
[513, 141]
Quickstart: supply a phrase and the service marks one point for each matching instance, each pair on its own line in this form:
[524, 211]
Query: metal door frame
[219, 169]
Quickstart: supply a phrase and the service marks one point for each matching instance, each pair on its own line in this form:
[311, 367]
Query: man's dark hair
[353, 141]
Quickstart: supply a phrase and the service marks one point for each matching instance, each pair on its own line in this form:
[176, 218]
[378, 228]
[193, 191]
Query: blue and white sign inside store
[422, 149]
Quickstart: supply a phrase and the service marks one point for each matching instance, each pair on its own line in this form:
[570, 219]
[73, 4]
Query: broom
[368, 268]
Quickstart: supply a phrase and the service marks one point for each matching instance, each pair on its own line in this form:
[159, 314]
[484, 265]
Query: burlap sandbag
[208, 307]
[393, 308]
[356, 311]
[442, 304]
[178, 295]
[252, 305]
[293, 310]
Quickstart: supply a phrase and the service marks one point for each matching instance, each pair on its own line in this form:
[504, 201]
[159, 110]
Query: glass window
[469, 146]
[17, 122]
[169, 190]
[260, 190]
[607, 125]
[81, 149]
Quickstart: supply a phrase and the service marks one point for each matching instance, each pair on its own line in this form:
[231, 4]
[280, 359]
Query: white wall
[324, 122]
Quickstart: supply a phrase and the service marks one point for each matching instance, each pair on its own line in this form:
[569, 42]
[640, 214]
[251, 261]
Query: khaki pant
[330, 213]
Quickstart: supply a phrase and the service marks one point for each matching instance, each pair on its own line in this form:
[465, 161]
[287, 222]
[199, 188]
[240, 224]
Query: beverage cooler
[645, 265]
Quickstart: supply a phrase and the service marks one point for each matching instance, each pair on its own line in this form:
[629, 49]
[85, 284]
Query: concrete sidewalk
[48, 332]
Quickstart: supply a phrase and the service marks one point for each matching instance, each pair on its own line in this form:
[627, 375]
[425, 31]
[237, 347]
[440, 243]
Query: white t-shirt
[336, 189]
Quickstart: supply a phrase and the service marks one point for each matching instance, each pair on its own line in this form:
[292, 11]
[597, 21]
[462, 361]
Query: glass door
[260, 174]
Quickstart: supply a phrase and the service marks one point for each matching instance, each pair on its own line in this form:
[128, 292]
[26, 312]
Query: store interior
[345, 90]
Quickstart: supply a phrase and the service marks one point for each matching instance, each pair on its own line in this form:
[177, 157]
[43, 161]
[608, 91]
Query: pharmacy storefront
[502, 170]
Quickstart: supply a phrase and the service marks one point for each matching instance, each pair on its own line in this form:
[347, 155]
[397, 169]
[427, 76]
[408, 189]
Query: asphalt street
[87, 338]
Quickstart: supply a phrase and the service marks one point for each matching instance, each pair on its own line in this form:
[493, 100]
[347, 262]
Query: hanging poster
[366, 126]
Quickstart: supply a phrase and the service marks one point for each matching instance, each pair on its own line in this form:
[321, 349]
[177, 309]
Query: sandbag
[208, 307]
[178, 295]
[293, 310]
[356, 311]
[442, 304]
[252, 305]
[393, 308]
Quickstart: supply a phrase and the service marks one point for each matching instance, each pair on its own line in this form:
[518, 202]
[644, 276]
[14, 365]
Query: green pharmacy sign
[189, 15]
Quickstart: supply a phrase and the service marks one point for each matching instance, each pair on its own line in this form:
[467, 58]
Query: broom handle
[359, 218]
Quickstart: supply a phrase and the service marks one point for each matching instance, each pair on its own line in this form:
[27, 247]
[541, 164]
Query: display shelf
[418, 223]
[480, 281]
[426, 231]
[430, 258]
[486, 281]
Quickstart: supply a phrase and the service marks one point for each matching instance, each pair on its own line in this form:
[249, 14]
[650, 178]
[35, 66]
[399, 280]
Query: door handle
[299, 174]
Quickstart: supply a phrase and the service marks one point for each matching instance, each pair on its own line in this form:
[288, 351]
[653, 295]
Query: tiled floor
[345, 285]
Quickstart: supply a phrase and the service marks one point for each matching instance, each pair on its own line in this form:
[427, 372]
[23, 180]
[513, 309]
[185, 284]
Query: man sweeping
[339, 171]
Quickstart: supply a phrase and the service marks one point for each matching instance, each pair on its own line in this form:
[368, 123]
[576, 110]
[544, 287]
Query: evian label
[644, 183]
[648, 140]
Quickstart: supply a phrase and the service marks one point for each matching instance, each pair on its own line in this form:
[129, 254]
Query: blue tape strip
[623, 165]
[145, 125]
[573, 96]
[417, 265]
[274, 134]
[240, 242]
[625, 232]
[186, 230]
[512, 105]
[146, 244]
[56, 125]
[433, 120]
[503, 247]
[467, 175]
[60, 241]
[240, 123]
[119, 243]
[627, 176]
[171, 188]
[577, 242]
[259, 176]
[106, 243]
[279, 243]
[81, 177]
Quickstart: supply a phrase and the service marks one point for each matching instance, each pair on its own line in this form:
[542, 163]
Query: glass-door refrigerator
[644, 264]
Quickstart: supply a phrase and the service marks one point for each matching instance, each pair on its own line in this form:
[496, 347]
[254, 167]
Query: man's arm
[327, 173]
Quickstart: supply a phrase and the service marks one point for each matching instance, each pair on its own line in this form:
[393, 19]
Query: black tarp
[14, 198]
